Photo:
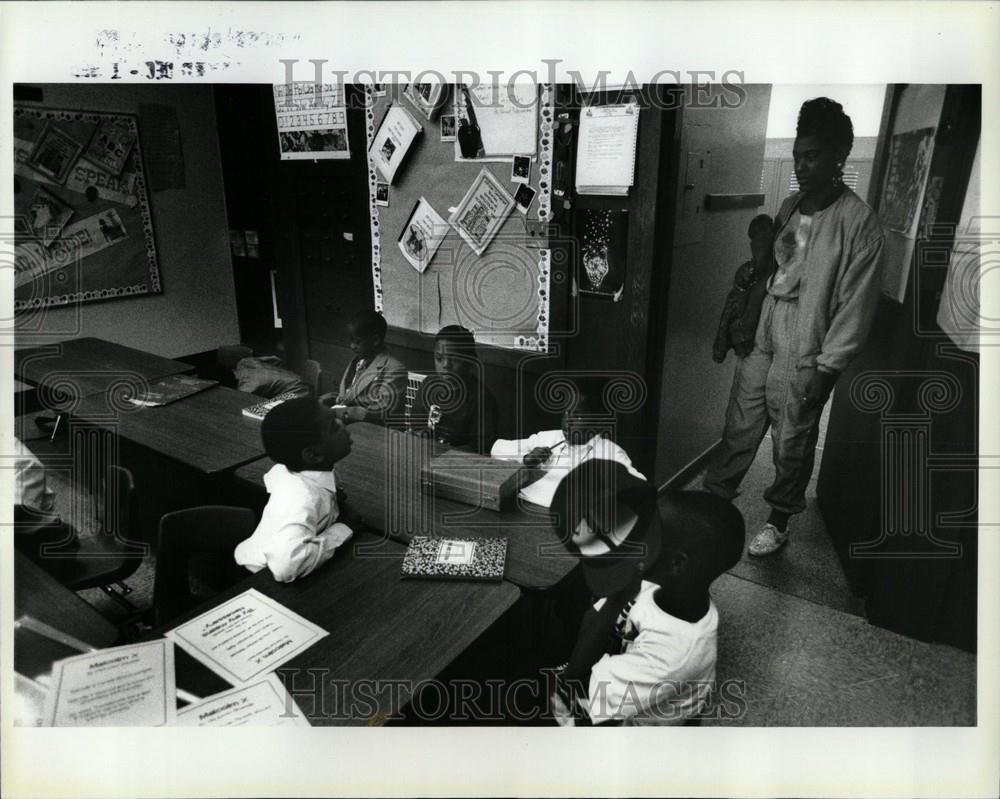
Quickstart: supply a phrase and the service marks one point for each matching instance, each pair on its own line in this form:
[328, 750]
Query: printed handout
[125, 686]
[263, 703]
[246, 637]
[422, 235]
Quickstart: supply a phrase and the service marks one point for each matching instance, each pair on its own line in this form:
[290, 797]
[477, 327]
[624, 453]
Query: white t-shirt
[565, 458]
[666, 673]
[31, 488]
[790, 248]
[298, 530]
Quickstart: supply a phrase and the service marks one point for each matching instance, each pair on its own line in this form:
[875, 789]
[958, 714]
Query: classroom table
[387, 635]
[381, 480]
[206, 431]
[24, 397]
[82, 367]
[38, 594]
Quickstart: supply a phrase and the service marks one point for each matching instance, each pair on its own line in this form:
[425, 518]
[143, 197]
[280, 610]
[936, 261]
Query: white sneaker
[767, 541]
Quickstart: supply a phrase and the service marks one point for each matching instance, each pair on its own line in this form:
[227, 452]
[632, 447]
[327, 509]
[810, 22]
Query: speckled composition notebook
[455, 558]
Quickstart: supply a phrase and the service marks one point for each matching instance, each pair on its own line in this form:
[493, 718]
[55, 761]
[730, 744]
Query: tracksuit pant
[767, 390]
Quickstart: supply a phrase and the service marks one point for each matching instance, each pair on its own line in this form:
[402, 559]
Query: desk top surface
[206, 431]
[86, 366]
[387, 632]
[381, 479]
[38, 594]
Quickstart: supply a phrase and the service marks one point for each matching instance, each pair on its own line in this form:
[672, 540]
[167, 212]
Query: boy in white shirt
[646, 652]
[582, 437]
[298, 530]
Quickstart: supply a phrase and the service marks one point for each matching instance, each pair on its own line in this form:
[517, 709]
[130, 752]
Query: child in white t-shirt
[298, 530]
[582, 437]
[646, 652]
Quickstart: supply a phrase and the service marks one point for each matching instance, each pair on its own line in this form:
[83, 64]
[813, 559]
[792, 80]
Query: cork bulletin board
[501, 295]
[83, 228]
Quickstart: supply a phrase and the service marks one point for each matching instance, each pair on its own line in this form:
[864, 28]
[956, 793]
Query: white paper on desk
[605, 153]
[125, 686]
[246, 637]
[264, 703]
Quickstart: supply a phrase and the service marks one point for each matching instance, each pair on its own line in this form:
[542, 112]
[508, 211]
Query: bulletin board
[501, 295]
[83, 229]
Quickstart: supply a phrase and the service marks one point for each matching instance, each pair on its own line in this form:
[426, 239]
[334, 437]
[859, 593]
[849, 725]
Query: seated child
[38, 528]
[298, 530]
[453, 405]
[373, 387]
[557, 452]
[645, 654]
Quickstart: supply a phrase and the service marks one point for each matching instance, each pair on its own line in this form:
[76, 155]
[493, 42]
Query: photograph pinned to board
[393, 140]
[312, 121]
[47, 215]
[520, 170]
[111, 145]
[382, 194]
[422, 235]
[498, 121]
[603, 237]
[55, 153]
[427, 98]
[523, 197]
[449, 127]
[482, 211]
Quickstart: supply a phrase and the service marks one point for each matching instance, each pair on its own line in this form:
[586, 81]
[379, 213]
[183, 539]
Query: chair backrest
[312, 373]
[118, 501]
[413, 381]
[208, 535]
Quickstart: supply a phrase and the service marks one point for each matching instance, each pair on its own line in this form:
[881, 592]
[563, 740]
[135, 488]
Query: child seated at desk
[556, 452]
[453, 405]
[646, 652]
[298, 530]
[373, 387]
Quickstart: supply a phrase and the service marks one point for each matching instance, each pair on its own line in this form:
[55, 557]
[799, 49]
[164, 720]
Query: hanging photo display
[312, 121]
[482, 211]
[393, 141]
[83, 228]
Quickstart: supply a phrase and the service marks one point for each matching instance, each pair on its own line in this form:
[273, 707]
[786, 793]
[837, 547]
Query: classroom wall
[695, 389]
[197, 309]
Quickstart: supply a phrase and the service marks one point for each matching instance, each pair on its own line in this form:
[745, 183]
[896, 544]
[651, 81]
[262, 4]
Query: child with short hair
[582, 436]
[453, 405]
[298, 530]
[373, 387]
[646, 652]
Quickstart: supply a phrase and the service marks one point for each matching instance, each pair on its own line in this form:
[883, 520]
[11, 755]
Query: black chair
[107, 558]
[194, 557]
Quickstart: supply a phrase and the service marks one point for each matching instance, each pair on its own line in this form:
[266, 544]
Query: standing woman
[820, 302]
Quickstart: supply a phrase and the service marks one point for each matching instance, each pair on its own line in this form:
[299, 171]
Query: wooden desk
[206, 431]
[85, 366]
[381, 478]
[38, 594]
[388, 633]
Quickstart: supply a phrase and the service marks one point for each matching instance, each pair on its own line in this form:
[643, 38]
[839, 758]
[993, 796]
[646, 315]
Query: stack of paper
[605, 152]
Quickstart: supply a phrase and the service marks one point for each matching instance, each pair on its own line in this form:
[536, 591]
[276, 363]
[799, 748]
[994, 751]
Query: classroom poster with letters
[312, 121]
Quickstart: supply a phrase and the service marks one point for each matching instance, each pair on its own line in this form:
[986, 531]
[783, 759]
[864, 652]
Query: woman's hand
[818, 387]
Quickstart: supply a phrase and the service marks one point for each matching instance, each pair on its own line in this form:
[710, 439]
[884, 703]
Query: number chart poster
[83, 229]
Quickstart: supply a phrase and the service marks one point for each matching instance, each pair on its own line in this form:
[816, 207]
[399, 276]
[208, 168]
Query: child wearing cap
[646, 651]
